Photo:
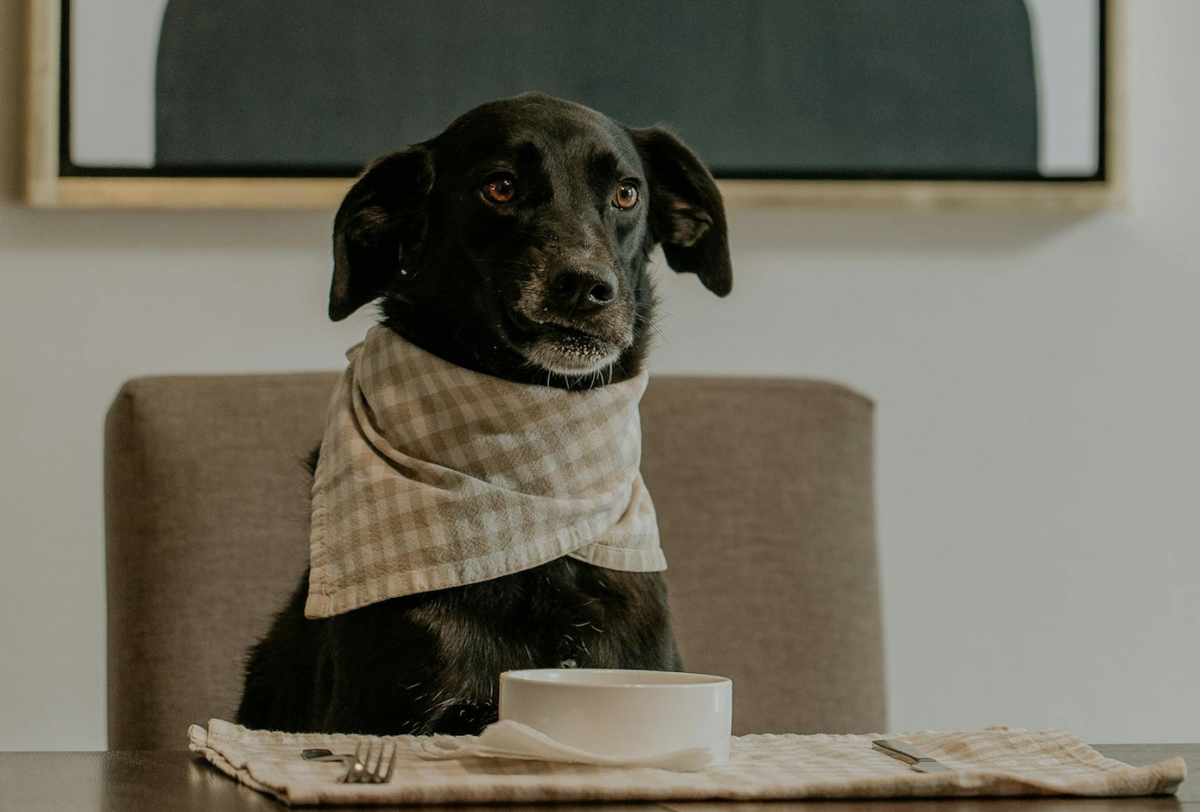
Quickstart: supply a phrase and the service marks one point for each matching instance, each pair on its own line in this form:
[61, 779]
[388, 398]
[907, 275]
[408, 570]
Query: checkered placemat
[991, 762]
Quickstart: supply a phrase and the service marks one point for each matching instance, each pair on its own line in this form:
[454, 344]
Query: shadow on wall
[758, 86]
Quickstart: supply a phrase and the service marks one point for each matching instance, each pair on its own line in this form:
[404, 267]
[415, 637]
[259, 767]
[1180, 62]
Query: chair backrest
[763, 490]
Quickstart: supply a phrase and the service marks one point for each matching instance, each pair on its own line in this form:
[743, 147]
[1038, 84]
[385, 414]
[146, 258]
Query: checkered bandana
[433, 476]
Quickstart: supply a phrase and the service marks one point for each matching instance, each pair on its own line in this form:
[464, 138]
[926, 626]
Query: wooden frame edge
[1116, 122]
[1057, 196]
[201, 193]
[45, 188]
[326, 193]
[43, 22]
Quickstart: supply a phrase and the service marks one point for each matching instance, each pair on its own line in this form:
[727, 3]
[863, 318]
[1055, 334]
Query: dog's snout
[582, 290]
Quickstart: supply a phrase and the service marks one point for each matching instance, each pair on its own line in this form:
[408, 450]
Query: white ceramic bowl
[626, 714]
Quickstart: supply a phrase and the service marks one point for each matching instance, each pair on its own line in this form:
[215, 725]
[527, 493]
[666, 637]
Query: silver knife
[910, 755]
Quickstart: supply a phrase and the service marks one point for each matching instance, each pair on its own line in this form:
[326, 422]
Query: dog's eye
[626, 196]
[500, 189]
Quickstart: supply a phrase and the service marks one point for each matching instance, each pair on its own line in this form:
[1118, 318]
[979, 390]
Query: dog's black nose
[576, 290]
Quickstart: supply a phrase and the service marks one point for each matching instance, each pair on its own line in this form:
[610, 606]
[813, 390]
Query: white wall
[1039, 456]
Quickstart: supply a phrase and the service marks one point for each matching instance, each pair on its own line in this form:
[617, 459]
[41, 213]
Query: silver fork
[372, 764]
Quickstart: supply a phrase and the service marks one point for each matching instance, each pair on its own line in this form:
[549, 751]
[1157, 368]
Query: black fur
[551, 288]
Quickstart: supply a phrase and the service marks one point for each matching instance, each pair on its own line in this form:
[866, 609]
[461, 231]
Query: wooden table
[176, 781]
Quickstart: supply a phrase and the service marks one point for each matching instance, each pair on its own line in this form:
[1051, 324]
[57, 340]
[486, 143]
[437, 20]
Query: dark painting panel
[784, 88]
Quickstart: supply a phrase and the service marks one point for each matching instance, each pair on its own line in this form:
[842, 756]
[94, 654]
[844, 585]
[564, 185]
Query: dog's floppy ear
[379, 223]
[687, 215]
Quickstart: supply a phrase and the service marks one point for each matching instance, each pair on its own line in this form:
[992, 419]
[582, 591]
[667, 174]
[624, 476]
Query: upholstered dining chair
[764, 496]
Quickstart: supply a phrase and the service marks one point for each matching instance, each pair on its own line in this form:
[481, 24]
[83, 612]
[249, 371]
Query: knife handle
[902, 749]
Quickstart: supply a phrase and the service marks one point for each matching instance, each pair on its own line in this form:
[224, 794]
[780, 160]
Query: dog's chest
[563, 614]
[551, 617]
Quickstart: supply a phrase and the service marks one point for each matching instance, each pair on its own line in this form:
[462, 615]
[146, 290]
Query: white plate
[624, 714]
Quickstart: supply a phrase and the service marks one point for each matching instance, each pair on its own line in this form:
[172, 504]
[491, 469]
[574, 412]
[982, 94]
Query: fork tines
[373, 762]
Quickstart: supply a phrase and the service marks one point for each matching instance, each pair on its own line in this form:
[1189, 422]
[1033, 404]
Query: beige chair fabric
[764, 496]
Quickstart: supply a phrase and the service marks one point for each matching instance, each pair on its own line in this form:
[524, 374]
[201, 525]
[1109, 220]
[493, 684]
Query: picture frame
[51, 181]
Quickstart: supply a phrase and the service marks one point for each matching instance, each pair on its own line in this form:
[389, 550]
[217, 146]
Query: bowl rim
[537, 676]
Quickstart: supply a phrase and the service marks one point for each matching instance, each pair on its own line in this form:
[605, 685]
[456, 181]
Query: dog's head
[516, 241]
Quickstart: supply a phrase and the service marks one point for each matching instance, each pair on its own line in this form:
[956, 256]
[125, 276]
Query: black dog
[514, 244]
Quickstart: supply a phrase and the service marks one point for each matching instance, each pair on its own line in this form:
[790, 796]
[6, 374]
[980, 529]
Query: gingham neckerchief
[433, 476]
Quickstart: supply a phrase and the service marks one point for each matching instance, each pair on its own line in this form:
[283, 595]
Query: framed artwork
[280, 103]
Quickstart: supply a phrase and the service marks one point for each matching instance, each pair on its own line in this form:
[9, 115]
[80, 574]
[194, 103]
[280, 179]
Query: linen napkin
[508, 739]
[985, 763]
